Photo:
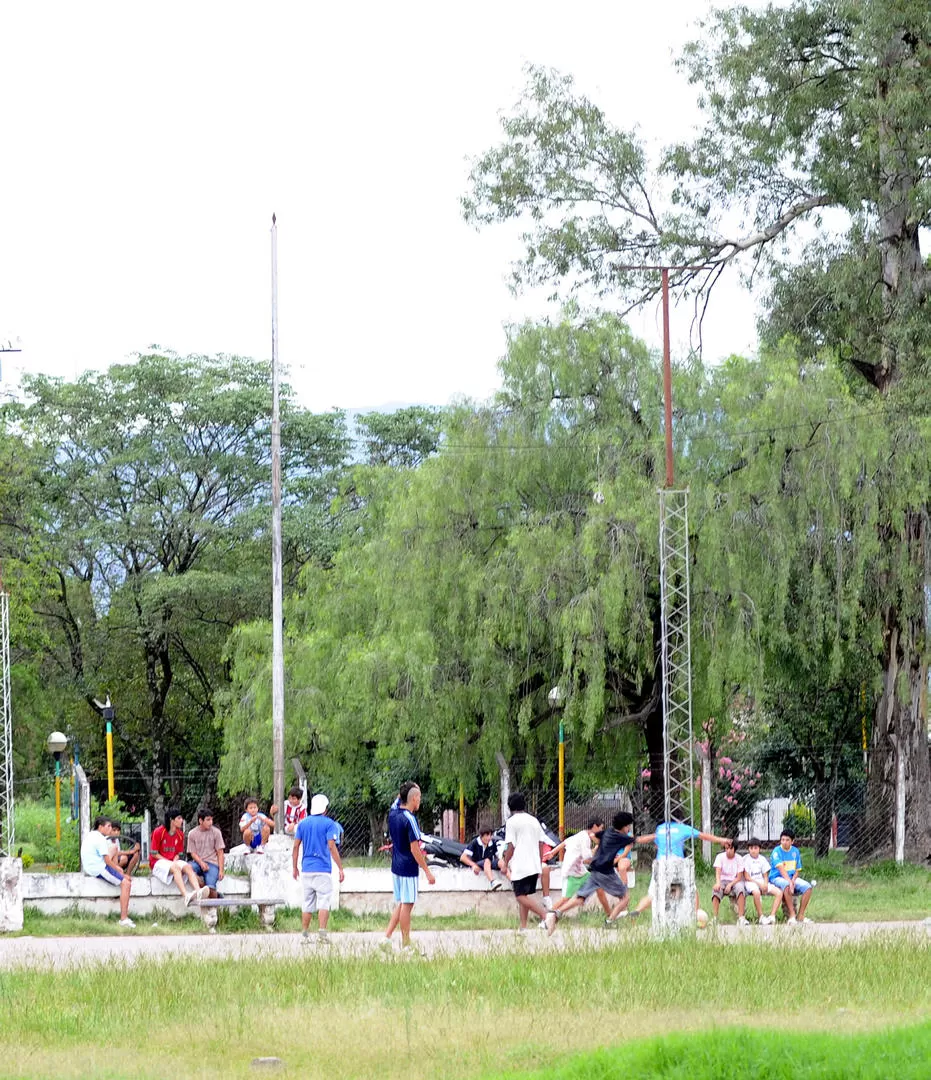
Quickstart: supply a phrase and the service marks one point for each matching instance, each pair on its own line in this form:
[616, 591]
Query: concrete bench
[210, 909]
[54, 894]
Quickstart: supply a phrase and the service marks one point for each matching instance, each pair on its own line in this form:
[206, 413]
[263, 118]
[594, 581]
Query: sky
[145, 147]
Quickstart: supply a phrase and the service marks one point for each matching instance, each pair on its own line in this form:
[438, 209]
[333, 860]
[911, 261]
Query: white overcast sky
[144, 148]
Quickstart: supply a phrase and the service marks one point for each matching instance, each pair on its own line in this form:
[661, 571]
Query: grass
[461, 1016]
[903, 1054]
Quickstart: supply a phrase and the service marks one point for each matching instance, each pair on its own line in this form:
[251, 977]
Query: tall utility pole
[7, 837]
[277, 609]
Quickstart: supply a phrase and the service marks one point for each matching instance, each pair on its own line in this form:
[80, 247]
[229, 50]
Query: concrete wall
[53, 894]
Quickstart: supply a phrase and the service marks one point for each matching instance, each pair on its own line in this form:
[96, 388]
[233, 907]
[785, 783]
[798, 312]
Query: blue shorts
[256, 840]
[405, 889]
[801, 886]
[111, 876]
[211, 875]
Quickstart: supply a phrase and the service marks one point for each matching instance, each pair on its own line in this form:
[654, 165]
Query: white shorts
[758, 887]
[162, 871]
[318, 888]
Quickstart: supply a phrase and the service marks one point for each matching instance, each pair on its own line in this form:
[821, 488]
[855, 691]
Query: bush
[799, 820]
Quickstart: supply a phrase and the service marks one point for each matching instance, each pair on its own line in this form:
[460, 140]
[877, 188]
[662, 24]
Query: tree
[155, 480]
[813, 107]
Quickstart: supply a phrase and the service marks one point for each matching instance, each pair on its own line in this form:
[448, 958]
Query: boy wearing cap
[317, 835]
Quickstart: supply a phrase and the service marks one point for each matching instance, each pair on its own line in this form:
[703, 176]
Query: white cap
[319, 804]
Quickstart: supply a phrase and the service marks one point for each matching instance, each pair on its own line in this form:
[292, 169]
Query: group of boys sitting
[756, 875]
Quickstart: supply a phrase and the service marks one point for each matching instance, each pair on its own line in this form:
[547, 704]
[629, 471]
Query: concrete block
[11, 895]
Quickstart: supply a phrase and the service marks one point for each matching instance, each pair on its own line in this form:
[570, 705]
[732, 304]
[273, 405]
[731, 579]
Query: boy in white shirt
[728, 881]
[522, 862]
[757, 884]
[98, 861]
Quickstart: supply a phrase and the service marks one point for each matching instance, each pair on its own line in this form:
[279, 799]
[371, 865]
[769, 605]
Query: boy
[407, 860]
[602, 873]
[482, 856]
[728, 872]
[256, 827]
[757, 884]
[165, 859]
[207, 850]
[97, 861]
[317, 835]
[670, 838]
[522, 861]
[577, 854]
[294, 810]
[128, 860]
[786, 862]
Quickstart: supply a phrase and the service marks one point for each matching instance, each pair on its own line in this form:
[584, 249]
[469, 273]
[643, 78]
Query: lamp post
[106, 710]
[56, 744]
[555, 697]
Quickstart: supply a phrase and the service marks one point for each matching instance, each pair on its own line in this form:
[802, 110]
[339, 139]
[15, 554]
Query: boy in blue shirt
[407, 860]
[786, 862]
[318, 835]
[670, 838]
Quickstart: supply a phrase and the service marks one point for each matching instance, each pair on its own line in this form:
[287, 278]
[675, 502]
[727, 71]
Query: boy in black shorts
[522, 861]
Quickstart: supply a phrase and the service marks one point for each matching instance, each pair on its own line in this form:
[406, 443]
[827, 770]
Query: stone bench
[53, 894]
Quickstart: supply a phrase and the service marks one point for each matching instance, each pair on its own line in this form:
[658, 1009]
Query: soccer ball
[701, 917]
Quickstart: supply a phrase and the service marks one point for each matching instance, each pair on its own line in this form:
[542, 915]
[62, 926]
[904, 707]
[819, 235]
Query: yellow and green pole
[562, 782]
[461, 813]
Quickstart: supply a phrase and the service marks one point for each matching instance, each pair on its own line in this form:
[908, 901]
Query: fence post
[899, 800]
[84, 801]
[505, 783]
[705, 756]
[145, 839]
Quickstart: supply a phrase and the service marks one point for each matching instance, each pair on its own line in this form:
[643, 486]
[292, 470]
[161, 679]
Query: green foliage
[799, 820]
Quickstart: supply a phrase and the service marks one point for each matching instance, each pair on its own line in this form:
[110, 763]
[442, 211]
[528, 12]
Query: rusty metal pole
[667, 380]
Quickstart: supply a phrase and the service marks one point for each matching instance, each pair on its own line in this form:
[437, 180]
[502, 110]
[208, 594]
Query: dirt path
[69, 952]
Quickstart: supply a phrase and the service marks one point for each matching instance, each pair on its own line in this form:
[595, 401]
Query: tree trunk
[900, 713]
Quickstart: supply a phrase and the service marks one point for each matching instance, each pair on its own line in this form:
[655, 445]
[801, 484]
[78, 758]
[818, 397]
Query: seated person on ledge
[482, 856]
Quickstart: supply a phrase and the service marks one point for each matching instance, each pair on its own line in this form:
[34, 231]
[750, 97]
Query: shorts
[611, 884]
[405, 889]
[737, 888]
[318, 888]
[572, 885]
[801, 885]
[211, 875]
[256, 840]
[525, 886]
[766, 888]
[162, 870]
[111, 876]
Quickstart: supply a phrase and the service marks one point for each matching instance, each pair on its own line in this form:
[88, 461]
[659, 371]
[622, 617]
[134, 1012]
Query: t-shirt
[205, 843]
[677, 836]
[404, 831]
[611, 844]
[251, 821]
[756, 869]
[294, 814]
[784, 863]
[577, 852]
[165, 845]
[525, 834]
[94, 847]
[479, 852]
[315, 833]
[730, 868]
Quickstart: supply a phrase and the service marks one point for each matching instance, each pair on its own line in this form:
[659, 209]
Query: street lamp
[556, 699]
[56, 743]
[106, 710]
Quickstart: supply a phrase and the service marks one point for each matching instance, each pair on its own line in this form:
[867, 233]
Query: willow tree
[816, 121]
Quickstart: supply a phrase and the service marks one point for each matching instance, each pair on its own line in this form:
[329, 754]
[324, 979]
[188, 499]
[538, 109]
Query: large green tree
[817, 125]
[154, 480]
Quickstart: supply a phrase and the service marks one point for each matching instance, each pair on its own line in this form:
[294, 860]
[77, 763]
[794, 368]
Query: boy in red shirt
[167, 846]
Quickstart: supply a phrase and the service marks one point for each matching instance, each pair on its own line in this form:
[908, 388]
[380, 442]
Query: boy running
[522, 861]
[613, 843]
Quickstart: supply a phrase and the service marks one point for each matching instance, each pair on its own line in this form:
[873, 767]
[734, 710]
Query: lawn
[465, 1016]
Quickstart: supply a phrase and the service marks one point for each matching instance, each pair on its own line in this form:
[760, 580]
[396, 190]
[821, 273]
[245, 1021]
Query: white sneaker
[551, 919]
[548, 903]
[189, 896]
[203, 893]
[808, 919]
[792, 922]
[127, 924]
[767, 920]
[742, 921]
[495, 886]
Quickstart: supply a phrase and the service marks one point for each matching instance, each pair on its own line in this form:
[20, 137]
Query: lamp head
[56, 742]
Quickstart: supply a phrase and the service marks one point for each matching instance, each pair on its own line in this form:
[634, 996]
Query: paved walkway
[69, 952]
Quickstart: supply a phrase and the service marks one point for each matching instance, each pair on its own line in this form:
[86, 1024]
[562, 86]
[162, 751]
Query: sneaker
[635, 914]
[323, 937]
[551, 920]
[610, 924]
[743, 921]
[767, 920]
[792, 922]
[623, 914]
[127, 924]
[548, 903]
[808, 919]
[495, 886]
[203, 893]
[189, 896]
[305, 937]
[260, 850]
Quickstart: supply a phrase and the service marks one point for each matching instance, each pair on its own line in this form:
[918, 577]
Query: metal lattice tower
[676, 654]
[6, 736]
